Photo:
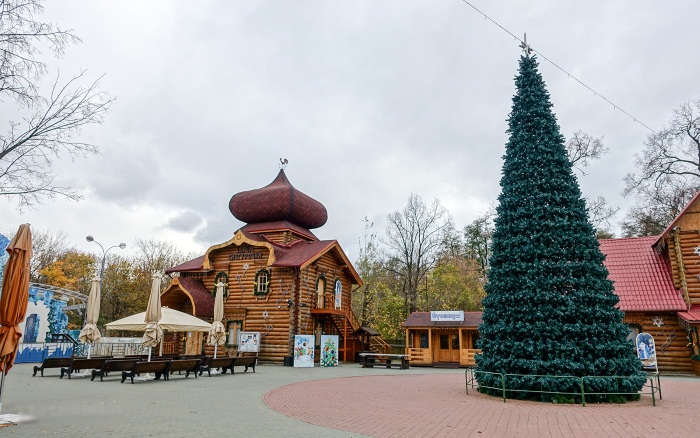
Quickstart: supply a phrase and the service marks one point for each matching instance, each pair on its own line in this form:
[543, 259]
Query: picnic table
[368, 360]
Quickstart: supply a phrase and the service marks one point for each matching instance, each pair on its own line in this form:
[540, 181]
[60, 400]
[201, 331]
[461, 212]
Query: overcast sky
[368, 100]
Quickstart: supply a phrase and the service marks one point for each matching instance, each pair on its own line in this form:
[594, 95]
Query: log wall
[671, 339]
[272, 315]
[689, 241]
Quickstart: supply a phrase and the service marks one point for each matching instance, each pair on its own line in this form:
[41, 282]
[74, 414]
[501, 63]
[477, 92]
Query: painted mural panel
[303, 351]
[4, 241]
[329, 350]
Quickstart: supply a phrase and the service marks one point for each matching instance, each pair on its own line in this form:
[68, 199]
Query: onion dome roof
[278, 201]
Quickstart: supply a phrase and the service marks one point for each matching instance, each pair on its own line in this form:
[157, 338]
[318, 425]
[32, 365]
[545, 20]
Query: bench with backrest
[113, 365]
[246, 361]
[210, 363]
[157, 367]
[186, 365]
[53, 362]
[83, 363]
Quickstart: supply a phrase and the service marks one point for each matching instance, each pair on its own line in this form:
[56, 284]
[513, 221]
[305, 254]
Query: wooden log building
[281, 280]
[441, 343]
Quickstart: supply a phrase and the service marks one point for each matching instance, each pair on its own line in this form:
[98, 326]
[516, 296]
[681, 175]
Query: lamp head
[122, 245]
[89, 238]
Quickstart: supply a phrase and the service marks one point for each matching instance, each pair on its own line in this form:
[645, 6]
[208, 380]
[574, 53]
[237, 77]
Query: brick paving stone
[435, 405]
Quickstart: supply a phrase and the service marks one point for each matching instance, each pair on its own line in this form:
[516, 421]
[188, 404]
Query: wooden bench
[83, 363]
[186, 365]
[113, 365]
[245, 361]
[158, 367]
[368, 360]
[210, 363]
[53, 362]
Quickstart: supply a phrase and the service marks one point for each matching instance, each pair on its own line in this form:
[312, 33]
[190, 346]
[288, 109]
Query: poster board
[249, 342]
[303, 351]
[646, 351]
[329, 350]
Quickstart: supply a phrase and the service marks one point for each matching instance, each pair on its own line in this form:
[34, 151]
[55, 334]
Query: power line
[597, 94]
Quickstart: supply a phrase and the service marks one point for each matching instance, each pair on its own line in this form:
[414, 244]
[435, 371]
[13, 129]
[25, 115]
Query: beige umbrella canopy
[153, 333]
[217, 333]
[172, 320]
[90, 334]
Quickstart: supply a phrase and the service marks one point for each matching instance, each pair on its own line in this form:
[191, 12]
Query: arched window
[321, 291]
[262, 282]
[338, 293]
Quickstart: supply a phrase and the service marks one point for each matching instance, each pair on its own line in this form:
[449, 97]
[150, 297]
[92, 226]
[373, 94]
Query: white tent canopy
[172, 320]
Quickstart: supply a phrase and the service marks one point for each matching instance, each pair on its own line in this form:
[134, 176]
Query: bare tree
[581, 149]
[50, 124]
[415, 237]
[369, 267]
[668, 173]
[673, 152]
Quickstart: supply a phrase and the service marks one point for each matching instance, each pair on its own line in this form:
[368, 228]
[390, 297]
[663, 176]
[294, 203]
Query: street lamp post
[104, 254]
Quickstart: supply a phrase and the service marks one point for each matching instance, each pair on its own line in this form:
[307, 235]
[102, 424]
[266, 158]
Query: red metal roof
[193, 288]
[264, 227]
[300, 252]
[203, 301]
[692, 315]
[422, 319]
[641, 276]
[190, 265]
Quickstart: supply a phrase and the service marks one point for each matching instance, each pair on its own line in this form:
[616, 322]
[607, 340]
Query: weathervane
[525, 46]
[283, 163]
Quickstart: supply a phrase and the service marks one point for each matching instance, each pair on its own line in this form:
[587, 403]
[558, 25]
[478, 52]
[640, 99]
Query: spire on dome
[278, 201]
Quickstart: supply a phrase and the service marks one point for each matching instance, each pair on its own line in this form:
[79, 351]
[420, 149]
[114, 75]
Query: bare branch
[582, 148]
[49, 131]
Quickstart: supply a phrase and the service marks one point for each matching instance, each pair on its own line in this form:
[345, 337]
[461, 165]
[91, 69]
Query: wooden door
[447, 346]
[193, 343]
[320, 293]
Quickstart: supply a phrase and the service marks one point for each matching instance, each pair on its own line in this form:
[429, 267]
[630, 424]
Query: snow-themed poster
[329, 350]
[303, 351]
[646, 351]
[249, 342]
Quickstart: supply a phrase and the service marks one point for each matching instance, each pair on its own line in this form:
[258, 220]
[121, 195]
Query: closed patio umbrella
[14, 300]
[153, 334]
[217, 334]
[90, 334]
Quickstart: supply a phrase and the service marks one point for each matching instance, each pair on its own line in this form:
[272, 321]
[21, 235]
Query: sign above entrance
[447, 315]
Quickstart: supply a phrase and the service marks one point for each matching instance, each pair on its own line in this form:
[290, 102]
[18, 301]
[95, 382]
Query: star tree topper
[525, 46]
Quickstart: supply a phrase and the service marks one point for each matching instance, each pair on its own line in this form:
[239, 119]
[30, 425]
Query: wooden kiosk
[442, 338]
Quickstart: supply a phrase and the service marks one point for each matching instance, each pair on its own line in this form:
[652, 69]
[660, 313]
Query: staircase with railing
[347, 326]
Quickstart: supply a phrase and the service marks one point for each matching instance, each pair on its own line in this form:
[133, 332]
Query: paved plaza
[347, 401]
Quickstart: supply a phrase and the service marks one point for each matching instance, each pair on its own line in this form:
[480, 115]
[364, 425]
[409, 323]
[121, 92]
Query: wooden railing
[466, 357]
[419, 356]
[378, 345]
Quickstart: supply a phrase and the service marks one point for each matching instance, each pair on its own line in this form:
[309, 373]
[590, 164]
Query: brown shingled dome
[278, 201]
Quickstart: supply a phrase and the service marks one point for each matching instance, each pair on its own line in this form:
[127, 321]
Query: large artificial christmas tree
[550, 308]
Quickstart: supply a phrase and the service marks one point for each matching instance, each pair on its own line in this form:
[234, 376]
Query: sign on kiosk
[447, 315]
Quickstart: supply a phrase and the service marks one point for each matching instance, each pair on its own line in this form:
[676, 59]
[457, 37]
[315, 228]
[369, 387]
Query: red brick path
[436, 405]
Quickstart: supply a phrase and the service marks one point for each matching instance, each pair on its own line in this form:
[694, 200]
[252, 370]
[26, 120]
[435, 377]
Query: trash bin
[289, 361]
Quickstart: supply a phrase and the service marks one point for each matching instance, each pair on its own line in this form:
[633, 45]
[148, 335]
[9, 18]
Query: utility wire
[614, 105]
